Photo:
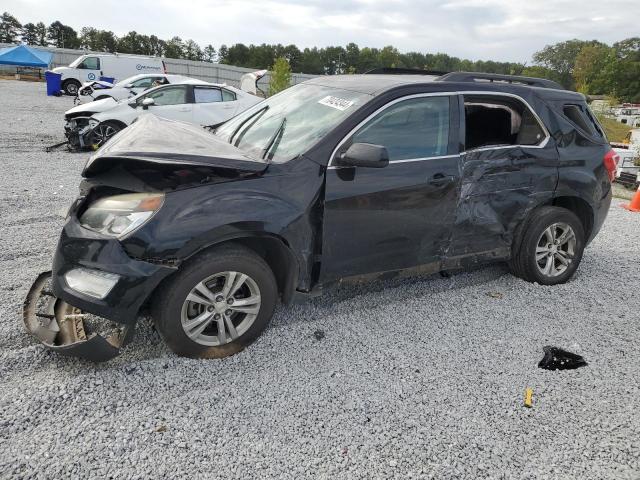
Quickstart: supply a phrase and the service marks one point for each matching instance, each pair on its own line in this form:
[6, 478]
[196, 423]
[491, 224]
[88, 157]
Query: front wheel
[217, 304]
[103, 132]
[71, 87]
[551, 247]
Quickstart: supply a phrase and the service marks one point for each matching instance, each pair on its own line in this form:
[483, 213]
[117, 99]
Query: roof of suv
[377, 84]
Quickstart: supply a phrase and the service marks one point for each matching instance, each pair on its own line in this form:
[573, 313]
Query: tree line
[591, 67]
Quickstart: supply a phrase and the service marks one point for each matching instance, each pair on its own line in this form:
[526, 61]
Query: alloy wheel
[102, 133]
[555, 249]
[221, 308]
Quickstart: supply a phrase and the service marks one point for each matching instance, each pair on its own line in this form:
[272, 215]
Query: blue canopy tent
[23, 56]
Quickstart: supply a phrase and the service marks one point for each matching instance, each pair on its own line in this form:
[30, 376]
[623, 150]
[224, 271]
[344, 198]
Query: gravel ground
[421, 378]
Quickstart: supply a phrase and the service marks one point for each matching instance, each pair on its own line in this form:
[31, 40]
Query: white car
[127, 88]
[207, 104]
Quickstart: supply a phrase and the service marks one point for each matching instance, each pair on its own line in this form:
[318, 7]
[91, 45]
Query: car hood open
[154, 140]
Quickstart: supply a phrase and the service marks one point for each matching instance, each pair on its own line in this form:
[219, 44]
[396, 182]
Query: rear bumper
[79, 247]
[600, 214]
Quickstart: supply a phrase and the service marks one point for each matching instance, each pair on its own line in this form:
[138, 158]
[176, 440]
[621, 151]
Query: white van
[87, 68]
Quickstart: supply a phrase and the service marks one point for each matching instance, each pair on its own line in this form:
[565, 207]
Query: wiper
[275, 140]
[259, 111]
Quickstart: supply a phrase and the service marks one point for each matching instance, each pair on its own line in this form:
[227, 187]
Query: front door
[171, 102]
[400, 216]
[89, 69]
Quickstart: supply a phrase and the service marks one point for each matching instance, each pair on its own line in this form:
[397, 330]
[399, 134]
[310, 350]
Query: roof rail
[403, 71]
[496, 77]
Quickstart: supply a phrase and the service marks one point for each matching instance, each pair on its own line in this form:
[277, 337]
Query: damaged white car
[127, 88]
[90, 125]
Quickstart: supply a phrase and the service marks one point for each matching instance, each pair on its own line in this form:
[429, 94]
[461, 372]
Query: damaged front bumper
[67, 329]
[74, 323]
[79, 133]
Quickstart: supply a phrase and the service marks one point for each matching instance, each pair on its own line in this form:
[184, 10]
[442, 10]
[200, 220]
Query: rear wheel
[217, 304]
[550, 248]
[71, 87]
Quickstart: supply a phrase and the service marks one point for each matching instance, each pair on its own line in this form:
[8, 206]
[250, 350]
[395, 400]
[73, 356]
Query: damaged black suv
[339, 177]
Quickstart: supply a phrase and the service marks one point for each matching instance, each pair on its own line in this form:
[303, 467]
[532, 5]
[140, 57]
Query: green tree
[41, 34]
[209, 54]
[192, 51]
[10, 28]
[30, 34]
[280, 76]
[62, 36]
[590, 69]
[174, 48]
[561, 57]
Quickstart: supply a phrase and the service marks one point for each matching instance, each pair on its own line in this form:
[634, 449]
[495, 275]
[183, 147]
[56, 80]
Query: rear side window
[410, 129]
[207, 95]
[500, 121]
[583, 118]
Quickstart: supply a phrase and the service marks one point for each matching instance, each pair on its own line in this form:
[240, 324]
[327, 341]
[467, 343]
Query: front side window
[90, 63]
[207, 95]
[286, 125]
[410, 129]
[500, 121]
[174, 95]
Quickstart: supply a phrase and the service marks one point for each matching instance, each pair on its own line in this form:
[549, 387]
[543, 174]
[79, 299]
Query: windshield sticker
[335, 102]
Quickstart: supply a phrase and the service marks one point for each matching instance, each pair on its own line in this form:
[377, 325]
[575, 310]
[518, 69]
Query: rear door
[400, 216]
[510, 165]
[213, 105]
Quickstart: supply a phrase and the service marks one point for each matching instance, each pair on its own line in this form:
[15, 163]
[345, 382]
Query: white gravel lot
[414, 379]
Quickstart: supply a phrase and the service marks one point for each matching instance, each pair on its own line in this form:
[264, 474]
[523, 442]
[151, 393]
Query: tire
[71, 87]
[174, 313]
[536, 258]
[104, 131]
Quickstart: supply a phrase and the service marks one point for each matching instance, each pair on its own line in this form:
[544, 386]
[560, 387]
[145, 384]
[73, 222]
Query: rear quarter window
[580, 116]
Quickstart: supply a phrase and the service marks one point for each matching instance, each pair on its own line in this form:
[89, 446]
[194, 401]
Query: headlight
[121, 214]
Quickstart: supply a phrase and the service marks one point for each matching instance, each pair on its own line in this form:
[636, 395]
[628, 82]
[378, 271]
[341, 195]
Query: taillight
[611, 160]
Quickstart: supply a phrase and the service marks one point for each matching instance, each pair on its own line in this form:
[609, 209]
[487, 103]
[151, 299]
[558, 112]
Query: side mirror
[365, 155]
[129, 85]
[147, 102]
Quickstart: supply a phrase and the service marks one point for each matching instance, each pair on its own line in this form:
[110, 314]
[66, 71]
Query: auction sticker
[335, 102]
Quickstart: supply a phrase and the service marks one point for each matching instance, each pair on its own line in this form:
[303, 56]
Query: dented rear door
[499, 186]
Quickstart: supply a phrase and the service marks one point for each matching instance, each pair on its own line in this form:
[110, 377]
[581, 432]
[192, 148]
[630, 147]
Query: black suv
[341, 176]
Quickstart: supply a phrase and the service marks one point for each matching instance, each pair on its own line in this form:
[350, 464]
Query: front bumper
[79, 247]
[79, 133]
[47, 307]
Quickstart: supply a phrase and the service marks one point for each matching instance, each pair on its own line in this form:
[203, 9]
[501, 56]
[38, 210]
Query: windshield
[128, 80]
[289, 123]
[77, 61]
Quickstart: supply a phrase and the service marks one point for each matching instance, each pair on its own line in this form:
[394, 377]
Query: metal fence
[209, 72]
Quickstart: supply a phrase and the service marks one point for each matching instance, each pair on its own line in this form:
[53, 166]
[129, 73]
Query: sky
[501, 30]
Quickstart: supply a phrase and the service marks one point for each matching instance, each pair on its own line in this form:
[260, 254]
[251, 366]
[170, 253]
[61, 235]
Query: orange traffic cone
[634, 206]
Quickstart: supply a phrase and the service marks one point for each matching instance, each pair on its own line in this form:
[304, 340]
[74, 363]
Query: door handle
[439, 179]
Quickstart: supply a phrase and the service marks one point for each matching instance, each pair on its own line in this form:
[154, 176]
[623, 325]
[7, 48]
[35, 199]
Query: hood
[152, 140]
[93, 107]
